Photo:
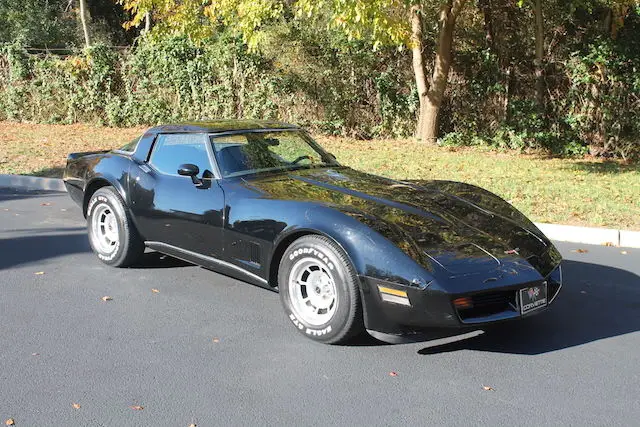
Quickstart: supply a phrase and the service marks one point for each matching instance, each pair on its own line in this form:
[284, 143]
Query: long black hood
[445, 222]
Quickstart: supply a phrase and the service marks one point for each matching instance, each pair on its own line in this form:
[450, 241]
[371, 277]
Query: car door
[177, 210]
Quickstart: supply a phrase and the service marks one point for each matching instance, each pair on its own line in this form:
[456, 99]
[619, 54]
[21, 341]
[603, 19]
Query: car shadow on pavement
[39, 247]
[596, 302]
[10, 194]
[153, 259]
[41, 244]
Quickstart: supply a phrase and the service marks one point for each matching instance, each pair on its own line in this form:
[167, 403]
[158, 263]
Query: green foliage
[341, 67]
[604, 95]
[54, 24]
[34, 22]
[325, 82]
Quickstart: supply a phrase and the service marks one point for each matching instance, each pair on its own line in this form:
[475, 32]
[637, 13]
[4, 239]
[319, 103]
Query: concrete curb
[32, 183]
[563, 233]
[630, 239]
[591, 235]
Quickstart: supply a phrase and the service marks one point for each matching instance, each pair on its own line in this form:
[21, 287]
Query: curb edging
[32, 183]
[563, 233]
[591, 235]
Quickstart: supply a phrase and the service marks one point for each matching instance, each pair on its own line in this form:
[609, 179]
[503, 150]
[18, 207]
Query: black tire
[128, 248]
[333, 271]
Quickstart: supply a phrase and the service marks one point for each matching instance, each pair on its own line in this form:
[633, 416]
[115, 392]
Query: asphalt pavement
[209, 350]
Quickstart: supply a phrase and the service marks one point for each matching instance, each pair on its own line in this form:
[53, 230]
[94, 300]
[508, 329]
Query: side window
[172, 150]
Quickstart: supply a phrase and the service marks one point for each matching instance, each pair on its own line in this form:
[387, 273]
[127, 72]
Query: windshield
[131, 145]
[251, 152]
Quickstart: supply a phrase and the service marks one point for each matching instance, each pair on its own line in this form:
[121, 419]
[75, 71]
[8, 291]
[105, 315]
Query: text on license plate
[533, 298]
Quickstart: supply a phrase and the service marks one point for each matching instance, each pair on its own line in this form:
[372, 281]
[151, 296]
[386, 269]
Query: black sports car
[348, 251]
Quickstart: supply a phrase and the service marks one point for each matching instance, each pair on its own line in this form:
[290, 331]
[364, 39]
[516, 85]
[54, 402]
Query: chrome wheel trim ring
[105, 229]
[312, 291]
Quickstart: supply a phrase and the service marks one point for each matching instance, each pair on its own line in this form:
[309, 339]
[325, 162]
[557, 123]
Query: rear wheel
[112, 235]
[319, 290]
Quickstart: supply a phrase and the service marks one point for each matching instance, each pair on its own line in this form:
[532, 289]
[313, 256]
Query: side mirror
[189, 169]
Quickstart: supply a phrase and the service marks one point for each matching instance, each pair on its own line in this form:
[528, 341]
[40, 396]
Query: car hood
[462, 228]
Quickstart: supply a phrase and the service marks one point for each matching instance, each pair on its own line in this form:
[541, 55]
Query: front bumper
[394, 309]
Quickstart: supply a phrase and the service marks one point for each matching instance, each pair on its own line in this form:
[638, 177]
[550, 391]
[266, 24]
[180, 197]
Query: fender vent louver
[254, 252]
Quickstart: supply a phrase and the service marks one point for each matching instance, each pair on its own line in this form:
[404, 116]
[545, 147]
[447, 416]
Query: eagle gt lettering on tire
[319, 290]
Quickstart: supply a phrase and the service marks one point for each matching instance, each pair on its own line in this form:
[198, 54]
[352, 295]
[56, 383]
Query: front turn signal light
[463, 303]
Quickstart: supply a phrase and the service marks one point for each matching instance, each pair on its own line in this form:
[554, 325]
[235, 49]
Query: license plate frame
[533, 298]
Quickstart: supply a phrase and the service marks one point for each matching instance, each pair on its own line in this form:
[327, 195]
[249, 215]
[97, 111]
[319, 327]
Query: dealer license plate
[533, 298]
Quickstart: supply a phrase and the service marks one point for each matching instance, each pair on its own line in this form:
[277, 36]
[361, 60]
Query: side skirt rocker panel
[210, 263]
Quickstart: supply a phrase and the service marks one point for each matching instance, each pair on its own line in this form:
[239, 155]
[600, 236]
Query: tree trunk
[485, 7]
[147, 22]
[84, 18]
[448, 15]
[539, 61]
[419, 68]
[607, 19]
[619, 13]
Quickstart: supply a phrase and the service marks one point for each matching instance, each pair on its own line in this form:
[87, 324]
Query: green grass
[565, 191]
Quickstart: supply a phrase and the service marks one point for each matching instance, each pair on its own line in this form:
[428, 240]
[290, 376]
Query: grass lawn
[566, 191]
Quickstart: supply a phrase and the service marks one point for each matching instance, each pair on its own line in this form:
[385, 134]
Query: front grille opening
[490, 303]
[552, 289]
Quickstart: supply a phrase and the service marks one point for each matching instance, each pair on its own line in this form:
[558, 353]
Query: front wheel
[319, 290]
[112, 235]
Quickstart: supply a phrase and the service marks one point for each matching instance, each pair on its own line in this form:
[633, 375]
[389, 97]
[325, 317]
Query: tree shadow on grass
[596, 302]
[54, 172]
[605, 168]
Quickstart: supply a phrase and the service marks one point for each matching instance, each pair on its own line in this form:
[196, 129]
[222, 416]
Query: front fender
[377, 261]
[371, 254]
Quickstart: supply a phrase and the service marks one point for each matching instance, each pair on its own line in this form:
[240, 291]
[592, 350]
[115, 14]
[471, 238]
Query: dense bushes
[173, 79]
[338, 86]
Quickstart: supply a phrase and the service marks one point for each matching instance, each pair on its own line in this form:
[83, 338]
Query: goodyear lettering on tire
[311, 251]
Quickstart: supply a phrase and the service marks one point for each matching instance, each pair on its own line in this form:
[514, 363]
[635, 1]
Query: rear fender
[111, 170]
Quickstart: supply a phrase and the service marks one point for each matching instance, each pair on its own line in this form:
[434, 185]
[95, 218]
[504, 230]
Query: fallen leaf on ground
[137, 407]
[393, 374]
[39, 273]
[45, 204]
[10, 422]
[580, 251]
[487, 388]
[623, 252]
[106, 298]
[75, 405]
[155, 291]
[216, 340]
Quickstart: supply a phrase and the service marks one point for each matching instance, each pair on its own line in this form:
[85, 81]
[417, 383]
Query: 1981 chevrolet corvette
[348, 251]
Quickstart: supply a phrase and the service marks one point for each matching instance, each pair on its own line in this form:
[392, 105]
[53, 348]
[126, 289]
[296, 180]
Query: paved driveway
[578, 364]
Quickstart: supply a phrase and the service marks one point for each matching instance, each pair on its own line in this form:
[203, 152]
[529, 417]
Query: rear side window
[172, 150]
[130, 147]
